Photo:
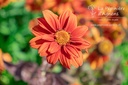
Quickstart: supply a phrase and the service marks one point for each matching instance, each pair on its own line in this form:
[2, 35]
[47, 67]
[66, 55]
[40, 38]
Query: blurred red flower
[59, 38]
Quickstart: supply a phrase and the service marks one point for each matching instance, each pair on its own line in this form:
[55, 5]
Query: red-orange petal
[68, 21]
[63, 19]
[73, 52]
[74, 63]
[79, 32]
[48, 37]
[37, 31]
[36, 42]
[79, 43]
[44, 49]
[52, 19]
[43, 23]
[53, 58]
[64, 61]
[54, 47]
[71, 23]
[45, 37]
[77, 61]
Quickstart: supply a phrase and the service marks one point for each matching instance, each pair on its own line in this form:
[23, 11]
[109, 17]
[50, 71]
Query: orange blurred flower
[84, 18]
[59, 9]
[4, 3]
[57, 5]
[124, 5]
[6, 57]
[116, 34]
[34, 5]
[96, 60]
[100, 55]
[109, 8]
[93, 35]
[124, 22]
[95, 3]
[59, 38]
[81, 8]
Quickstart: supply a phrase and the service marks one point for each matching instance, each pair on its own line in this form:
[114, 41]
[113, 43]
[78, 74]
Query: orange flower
[6, 57]
[79, 6]
[124, 23]
[115, 34]
[96, 60]
[95, 3]
[100, 55]
[124, 5]
[4, 3]
[57, 5]
[33, 5]
[60, 7]
[59, 38]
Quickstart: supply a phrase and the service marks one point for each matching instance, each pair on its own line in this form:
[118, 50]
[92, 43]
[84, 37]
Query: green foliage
[123, 50]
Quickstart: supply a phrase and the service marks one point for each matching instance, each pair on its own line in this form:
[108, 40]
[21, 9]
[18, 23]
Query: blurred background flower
[4, 57]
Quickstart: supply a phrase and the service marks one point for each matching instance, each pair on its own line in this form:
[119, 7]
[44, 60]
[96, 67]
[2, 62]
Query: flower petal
[63, 18]
[38, 31]
[79, 43]
[93, 64]
[53, 58]
[48, 37]
[36, 42]
[52, 19]
[43, 23]
[45, 37]
[77, 61]
[68, 21]
[100, 62]
[54, 47]
[79, 32]
[72, 51]
[43, 50]
[64, 61]
[105, 58]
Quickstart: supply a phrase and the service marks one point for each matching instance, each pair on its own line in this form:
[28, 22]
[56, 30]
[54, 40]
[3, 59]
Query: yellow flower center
[62, 37]
[39, 2]
[116, 34]
[105, 47]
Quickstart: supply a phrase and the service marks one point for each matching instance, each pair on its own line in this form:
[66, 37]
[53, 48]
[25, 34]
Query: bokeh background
[108, 34]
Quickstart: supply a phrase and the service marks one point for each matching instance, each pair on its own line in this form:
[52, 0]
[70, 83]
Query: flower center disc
[62, 37]
[116, 34]
[105, 47]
